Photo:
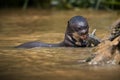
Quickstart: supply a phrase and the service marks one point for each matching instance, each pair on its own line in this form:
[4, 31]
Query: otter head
[77, 29]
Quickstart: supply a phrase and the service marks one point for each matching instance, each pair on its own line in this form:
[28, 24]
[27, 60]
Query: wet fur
[108, 51]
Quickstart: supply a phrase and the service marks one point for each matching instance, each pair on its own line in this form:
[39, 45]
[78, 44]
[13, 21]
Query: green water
[17, 27]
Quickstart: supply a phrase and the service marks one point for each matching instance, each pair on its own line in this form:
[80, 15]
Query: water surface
[18, 26]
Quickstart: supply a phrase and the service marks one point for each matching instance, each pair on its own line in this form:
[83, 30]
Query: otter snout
[83, 34]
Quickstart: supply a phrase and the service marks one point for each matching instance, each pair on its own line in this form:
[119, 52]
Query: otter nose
[83, 32]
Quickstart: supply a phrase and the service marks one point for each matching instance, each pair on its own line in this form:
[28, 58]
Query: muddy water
[17, 27]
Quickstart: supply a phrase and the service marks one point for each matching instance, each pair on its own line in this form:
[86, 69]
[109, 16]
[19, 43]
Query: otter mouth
[80, 36]
[84, 36]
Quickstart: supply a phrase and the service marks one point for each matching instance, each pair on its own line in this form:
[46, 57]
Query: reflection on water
[48, 63]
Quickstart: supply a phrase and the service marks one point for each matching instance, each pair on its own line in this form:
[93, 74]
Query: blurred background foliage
[61, 4]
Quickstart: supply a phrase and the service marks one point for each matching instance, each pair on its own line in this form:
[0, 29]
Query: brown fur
[108, 52]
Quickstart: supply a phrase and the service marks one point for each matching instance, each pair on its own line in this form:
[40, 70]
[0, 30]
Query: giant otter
[76, 35]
